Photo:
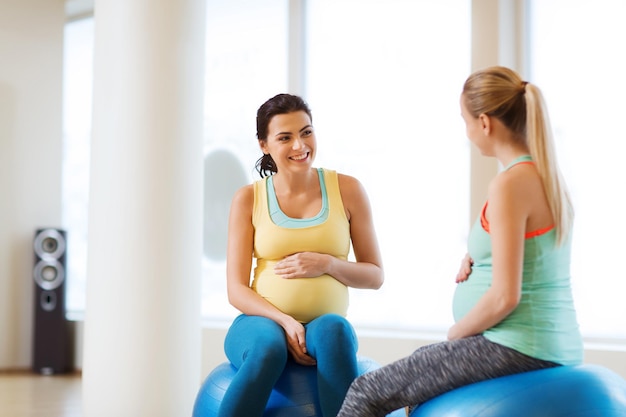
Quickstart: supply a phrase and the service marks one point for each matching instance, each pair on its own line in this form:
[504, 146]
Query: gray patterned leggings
[430, 371]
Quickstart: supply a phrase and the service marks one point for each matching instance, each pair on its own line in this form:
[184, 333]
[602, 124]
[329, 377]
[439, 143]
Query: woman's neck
[507, 154]
[286, 183]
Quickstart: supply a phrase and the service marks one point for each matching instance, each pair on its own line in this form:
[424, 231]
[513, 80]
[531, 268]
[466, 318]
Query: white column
[142, 322]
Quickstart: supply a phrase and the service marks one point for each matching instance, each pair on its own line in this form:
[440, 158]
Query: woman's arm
[238, 269]
[507, 214]
[367, 271]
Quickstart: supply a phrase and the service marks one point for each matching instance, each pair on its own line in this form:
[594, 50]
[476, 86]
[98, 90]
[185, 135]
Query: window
[77, 82]
[247, 63]
[383, 79]
[577, 60]
[385, 108]
[384, 87]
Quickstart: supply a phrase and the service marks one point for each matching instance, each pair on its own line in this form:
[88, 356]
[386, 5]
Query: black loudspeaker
[51, 341]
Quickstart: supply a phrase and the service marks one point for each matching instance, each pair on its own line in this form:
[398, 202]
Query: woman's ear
[263, 146]
[485, 123]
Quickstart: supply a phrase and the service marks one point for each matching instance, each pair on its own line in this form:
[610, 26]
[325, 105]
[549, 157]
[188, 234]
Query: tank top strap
[281, 219]
[524, 159]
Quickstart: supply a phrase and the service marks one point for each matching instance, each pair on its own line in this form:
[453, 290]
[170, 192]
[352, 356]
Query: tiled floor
[24, 394]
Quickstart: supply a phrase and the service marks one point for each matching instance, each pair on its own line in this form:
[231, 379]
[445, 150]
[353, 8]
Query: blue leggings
[257, 347]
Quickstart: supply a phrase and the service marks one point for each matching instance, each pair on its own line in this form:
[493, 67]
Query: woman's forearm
[246, 300]
[490, 310]
[356, 274]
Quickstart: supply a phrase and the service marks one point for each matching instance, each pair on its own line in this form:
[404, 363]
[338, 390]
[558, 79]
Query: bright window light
[246, 63]
[577, 60]
[77, 89]
[384, 80]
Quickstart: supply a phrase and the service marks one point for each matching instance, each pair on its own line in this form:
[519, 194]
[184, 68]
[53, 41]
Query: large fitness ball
[565, 391]
[294, 395]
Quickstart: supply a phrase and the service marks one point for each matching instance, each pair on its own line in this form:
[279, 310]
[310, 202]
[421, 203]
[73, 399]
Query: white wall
[31, 53]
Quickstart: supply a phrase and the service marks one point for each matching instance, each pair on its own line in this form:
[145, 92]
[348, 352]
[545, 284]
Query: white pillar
[142, 321]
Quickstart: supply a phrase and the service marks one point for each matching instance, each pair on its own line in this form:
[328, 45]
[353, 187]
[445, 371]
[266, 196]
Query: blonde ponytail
[500, 92]
[541, 145]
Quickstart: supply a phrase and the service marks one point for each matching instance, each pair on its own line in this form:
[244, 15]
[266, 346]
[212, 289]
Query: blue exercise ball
[294, 395]
[565, 391]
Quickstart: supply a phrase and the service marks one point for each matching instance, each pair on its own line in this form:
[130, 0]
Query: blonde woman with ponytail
[513, 306]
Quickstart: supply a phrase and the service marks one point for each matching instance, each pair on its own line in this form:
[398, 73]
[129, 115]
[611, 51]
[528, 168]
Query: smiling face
[290, 141]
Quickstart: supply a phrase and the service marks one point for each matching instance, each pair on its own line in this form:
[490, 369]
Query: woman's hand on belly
[296, 341]
[303, 265]
[465, 270]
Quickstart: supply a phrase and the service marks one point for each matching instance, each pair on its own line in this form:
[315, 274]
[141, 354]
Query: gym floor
[25, 394]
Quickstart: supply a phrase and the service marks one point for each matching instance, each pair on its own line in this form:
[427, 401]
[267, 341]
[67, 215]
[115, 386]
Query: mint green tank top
[544, 324]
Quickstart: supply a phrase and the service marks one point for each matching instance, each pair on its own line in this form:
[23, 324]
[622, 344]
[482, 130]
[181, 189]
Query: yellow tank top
[302, 298]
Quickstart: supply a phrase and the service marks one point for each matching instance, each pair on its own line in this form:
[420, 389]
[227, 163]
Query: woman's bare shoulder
[243, 197]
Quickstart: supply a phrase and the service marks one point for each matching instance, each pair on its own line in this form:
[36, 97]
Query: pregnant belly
[303, 298]
[467, 295]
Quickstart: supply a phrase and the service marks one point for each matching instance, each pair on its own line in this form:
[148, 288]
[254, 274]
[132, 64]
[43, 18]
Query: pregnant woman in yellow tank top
[277, 236]
[297, 224]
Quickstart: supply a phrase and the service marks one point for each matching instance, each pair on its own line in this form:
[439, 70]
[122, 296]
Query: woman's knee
[257, 338]
[332, 324]
[331, 329]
